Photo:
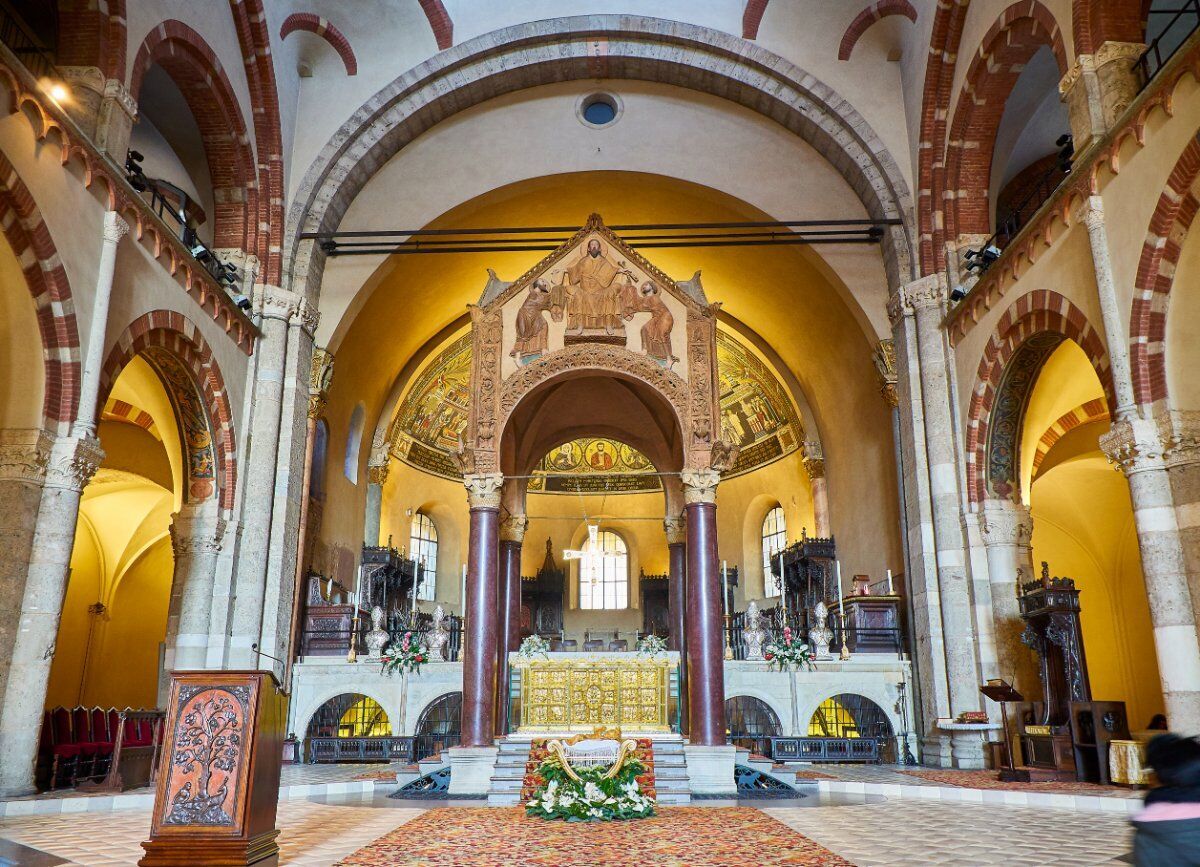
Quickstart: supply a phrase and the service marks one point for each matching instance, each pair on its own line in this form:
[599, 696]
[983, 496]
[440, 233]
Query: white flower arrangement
[533, 646]
[651, 645]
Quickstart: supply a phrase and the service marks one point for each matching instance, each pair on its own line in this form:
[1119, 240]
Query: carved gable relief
[594, 303]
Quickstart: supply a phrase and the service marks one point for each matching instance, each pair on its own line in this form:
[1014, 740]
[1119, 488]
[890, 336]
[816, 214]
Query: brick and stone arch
[193, 66]
[645, 49]
[752, 17]
[174, 347]
[93, 33]
[1026, 335]
[1086, 413]
[310, 23]
[1165, 238]
[864, 20]
[29, 237]
[1008, 45]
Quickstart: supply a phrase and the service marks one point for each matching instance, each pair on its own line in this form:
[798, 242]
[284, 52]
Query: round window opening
[599, 110]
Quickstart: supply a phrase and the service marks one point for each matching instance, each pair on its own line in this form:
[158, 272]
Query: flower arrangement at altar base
[407, 656]
[788, 652]
[591, 798]
[532, 646]
[651, 645]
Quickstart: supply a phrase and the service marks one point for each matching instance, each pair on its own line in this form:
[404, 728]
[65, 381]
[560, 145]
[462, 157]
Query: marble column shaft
[479, 671]
[508, 610]
[706, 672]
[1007, 531]
[677, 604]
[1116, 339]
[72, 463]
[377, 473]
[93, 360]
[1136, 445]
[196, 534]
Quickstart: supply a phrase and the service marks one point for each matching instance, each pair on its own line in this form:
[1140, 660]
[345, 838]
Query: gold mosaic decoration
[577, 695]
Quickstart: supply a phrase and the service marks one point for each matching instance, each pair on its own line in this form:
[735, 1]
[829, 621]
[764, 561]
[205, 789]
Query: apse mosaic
[756, 413]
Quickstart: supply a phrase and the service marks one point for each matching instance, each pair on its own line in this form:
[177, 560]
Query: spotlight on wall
[958, 293]
[980, 260]
[241, 301]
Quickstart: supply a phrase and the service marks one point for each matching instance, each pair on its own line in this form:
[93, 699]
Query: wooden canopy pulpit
[218, 784]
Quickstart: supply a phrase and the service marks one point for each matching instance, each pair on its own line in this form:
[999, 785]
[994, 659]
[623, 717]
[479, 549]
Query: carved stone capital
[1135, 445]
[82, 77]
[928, 292]
[700, 486]
[814, 460]
[1003, 522]
[24, 455]
[197, 529]
[115, 228]
[483, 490]
[73, 461]
[377, 473]
[512, 528]
[274, 302]
[884, 358]
[676, 530]
[1181, 435]
[116, 91]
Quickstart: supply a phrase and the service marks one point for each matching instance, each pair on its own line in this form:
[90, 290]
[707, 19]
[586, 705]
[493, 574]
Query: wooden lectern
[218, 782]
[1000, 690]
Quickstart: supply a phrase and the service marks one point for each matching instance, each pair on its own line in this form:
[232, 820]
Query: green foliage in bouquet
[409, 654]
[591, 798]
[788, 653]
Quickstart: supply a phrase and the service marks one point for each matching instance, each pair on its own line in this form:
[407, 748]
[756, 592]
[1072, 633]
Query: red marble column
[706, 671]
[677, 578]
[479, 670]
[508, 604]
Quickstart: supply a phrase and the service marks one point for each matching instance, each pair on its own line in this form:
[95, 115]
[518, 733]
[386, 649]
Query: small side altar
[577, 692]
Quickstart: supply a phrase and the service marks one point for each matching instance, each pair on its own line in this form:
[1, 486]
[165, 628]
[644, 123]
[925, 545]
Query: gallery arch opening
[587, 414]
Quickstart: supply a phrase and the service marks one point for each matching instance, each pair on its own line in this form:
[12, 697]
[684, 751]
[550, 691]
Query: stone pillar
[1116, 339]
[1007, 531]
[706, 689]
[1098, 89]
[479, 670]
[677, 602]
[23, 458]
[264, 473]
[1136, 445]
[508, 610]
[925, 302]
[814, 465]
[72, 462]
[103, 109]
[196, 534]
[377, 473]
[89, 385]
[1183, 468]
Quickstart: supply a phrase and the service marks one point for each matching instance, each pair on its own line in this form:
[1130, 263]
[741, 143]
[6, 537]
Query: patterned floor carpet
[991, 780]
[676, 837]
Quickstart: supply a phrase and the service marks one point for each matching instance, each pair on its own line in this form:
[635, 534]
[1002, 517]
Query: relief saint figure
[593, 287]
[531, 326]
[656, 333]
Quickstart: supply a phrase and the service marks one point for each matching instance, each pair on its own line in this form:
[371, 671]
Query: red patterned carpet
[676, 837]
[991, 780]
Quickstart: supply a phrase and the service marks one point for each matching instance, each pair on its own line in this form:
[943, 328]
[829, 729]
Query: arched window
[354, 443]
[774, 540]
[604, 573]
[423, 544]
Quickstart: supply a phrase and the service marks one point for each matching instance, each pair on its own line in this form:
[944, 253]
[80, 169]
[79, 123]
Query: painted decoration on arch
[756, 414]
[193, 422]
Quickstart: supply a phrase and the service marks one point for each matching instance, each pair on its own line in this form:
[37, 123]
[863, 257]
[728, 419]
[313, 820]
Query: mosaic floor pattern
[692, 836]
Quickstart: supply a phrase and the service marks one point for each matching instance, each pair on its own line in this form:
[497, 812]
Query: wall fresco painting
[193, 422]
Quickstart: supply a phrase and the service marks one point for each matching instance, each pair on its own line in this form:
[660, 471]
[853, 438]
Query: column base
[710, 769]
[471, 769]
[966, 749]
[936, 751]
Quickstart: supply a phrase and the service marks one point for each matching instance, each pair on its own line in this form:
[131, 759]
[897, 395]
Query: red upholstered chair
[100, 747]
[66, 752]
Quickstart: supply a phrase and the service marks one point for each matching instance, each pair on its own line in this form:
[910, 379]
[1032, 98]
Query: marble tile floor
[879, 833]
[903, 833]
[311, 835]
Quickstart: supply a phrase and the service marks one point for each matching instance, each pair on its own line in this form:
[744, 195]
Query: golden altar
[572, 692]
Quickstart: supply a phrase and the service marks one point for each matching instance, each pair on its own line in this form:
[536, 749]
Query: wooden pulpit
[218, 781]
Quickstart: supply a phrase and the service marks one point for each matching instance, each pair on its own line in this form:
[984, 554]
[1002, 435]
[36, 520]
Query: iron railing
[22, 42]
[1173, 27]
[825, 749]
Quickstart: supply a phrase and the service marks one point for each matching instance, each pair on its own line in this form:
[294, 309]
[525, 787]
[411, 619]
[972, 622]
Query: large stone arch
[1169, 227]
[1025, 336]
[640, 48]
[32, 244]
[193, 66]
[181, 357]
[1014, 37]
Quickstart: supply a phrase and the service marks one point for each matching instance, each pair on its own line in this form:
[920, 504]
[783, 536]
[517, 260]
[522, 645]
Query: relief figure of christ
[593, 286]
[531, 326]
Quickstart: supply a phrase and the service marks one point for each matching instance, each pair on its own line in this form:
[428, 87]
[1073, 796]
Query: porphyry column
[508, 604]
[710, 758]
[676, 529]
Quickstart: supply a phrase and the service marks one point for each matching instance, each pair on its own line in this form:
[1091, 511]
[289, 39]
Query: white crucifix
[591, 557]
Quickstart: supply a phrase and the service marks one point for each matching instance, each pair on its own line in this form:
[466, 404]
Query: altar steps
[670, 773]
[423, 768]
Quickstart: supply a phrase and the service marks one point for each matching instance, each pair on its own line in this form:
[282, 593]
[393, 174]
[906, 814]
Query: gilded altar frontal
[738, 432]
